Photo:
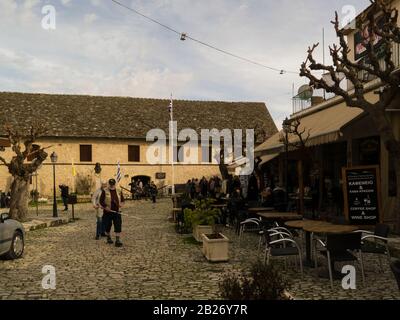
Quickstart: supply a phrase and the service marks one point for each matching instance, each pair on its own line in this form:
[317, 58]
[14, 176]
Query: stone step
[45, 223]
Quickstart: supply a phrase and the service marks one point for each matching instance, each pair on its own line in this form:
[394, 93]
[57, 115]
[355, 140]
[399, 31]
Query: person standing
[112, 204]
[192, 189]
[204, 187]
[64, 195]
[153, 191]
[99, 214]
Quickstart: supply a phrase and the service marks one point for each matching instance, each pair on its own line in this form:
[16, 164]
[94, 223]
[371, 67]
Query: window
[85, 152]
[134, 153]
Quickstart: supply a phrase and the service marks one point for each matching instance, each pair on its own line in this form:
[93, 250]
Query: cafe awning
[323, 126]
[267, 158]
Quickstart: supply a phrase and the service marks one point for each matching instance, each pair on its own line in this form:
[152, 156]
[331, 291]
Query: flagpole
[171, 129]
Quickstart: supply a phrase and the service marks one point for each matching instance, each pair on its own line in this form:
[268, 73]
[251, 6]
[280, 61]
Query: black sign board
[160, 175]
[362, 195]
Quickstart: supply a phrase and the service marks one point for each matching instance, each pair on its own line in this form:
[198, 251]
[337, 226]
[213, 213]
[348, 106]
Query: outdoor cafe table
[256, 210]
[321, 227]
[282, 216]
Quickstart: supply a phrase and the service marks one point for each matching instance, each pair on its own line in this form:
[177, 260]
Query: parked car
[12, 237]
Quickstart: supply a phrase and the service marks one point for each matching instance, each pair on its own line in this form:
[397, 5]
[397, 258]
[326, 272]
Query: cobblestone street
[155, 263]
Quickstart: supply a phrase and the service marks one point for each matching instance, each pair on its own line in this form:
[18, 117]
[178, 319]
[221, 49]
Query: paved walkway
[155, 263]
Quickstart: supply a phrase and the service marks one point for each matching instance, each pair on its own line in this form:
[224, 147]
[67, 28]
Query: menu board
[362, 195]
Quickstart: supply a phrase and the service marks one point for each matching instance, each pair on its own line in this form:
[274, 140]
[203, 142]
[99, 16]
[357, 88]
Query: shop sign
[362, 195]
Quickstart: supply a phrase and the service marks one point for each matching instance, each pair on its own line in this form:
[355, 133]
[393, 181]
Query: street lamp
[54, 158]
[286, 129]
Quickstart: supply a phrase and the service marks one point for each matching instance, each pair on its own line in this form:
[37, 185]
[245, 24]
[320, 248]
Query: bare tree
[23, 146]
[388, 31]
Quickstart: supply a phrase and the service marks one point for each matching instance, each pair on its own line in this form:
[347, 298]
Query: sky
[99, 48]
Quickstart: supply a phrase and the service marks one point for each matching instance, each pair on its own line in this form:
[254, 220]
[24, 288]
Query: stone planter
[199, 230]
[216, 250]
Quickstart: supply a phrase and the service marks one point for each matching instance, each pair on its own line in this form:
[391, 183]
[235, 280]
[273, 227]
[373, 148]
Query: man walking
[99, 214]
[64, 195]
[111, 204]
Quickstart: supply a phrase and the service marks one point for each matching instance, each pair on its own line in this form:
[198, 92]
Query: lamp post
[286, 129]
[54, 158]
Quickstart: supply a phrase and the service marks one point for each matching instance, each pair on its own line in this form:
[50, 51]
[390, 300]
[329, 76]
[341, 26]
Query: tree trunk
[392, 145]
[19, 199]
[396, 206]
[300, 209]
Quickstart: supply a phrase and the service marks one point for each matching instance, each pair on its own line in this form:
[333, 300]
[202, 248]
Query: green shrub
[203, 214]
[264, 282]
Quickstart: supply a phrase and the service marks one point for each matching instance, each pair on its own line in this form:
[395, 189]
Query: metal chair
[395, 266]
[276, 228]
[285, 246]
[380, 243]
[252, 224]
[338, 248]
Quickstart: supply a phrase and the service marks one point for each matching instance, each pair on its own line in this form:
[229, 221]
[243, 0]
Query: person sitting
[279, 196]
[267, 198]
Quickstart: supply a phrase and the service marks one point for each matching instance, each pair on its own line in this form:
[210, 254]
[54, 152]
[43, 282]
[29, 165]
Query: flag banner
[118, 176]
[73, 169]
[171, 108]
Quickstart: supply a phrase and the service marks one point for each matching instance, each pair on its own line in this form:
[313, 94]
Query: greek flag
[171, 108]
[118, 176]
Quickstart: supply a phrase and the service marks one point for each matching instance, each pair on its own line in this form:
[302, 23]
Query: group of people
[204, 188]
[140, 190]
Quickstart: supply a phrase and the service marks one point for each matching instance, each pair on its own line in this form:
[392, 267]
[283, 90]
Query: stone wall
[107, 153]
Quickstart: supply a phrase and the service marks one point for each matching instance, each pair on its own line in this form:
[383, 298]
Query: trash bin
[72, 200]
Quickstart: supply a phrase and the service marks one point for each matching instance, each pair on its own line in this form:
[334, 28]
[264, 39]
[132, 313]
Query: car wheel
[17, 246]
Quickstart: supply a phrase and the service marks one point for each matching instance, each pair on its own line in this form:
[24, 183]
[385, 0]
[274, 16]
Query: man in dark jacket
[64, 195]
[111, 203]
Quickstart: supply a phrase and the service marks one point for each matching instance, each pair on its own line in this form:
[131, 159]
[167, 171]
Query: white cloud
[66, 2]
[90, 18]
[95, 2]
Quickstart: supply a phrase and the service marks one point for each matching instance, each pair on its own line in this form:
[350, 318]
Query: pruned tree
[22, 144]
[388, 31]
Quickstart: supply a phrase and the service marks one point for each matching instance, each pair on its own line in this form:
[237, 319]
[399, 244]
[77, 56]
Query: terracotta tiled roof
[123, 117]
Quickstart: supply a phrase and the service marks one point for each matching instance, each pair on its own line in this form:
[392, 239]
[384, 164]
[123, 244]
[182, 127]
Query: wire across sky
[185, 36]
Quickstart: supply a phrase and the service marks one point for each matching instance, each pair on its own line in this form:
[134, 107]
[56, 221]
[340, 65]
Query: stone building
[85, 130]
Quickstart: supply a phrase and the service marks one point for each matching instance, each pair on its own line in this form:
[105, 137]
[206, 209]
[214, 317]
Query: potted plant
[215, 247]
[202, 219]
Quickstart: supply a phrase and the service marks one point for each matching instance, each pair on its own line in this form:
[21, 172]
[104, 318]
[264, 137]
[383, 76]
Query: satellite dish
[305, 92]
